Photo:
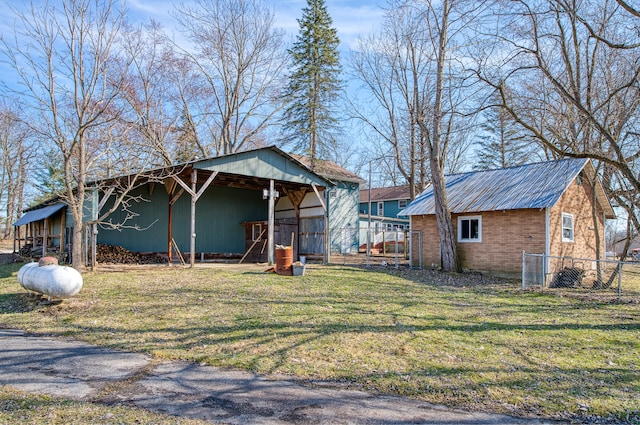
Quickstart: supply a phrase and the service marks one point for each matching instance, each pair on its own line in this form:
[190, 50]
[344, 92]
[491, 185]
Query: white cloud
[351, 18]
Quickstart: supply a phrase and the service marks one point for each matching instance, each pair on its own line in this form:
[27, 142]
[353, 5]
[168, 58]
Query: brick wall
[505, 234]
[576, 201]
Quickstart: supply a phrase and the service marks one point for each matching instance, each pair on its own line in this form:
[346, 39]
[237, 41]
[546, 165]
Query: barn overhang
[268, 170]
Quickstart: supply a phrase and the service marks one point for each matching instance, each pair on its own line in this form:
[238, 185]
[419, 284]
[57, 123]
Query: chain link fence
[598, 279]
[385, 248]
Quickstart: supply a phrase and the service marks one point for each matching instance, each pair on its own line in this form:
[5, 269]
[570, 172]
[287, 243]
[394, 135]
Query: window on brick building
[470, 229]
[567, 227]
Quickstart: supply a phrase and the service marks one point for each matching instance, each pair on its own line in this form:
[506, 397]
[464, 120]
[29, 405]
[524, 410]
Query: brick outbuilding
[542, 208]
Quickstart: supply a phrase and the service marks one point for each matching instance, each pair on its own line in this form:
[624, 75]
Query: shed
[41, 230]
[543, 208]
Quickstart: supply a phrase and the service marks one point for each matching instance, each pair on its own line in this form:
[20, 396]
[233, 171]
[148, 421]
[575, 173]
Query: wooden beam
[184, 186]
[175, 197]
[315, 189]
[206, 184]
[296, 197]
[252, 245]
[104, 199]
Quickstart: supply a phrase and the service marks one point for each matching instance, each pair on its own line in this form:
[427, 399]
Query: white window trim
[573, 227]
[380, 210]
[406, 202]
[256, 231]
[470, 217]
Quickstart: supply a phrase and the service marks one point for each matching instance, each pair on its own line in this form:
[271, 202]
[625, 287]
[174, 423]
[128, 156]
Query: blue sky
[350, 17]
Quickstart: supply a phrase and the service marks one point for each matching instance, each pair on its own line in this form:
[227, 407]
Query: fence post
[397, 253]
[524, 266]
[420, 253]
[619, 280]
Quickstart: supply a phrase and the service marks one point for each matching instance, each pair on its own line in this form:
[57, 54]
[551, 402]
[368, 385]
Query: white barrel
[52, 280]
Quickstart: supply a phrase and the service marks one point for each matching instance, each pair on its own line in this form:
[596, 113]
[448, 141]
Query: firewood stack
[112, 254]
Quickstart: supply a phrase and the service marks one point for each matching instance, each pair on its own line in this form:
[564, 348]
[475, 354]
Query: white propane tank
[51, 280]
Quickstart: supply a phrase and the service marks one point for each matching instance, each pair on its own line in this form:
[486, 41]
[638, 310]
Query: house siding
[505, 234]
[577, 200]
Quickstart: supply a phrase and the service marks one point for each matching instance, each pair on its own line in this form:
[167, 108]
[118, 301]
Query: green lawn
[440, 338]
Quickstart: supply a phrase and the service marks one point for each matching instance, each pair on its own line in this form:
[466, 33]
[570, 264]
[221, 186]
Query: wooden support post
[94, 245]
[44, 237]
[194, 198]
[272, 222]
[170, 233]
[63, 227]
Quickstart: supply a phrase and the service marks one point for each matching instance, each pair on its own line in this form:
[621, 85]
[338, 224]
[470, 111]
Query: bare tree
[62, 56]
[396, 68]
[241, 60]
[148, 95]
[568, 88]
[15, 155]
[567, 72]
[393, 67]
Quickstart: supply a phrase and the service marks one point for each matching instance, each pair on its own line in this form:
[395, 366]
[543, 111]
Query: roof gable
[273, 163]
[531, 186]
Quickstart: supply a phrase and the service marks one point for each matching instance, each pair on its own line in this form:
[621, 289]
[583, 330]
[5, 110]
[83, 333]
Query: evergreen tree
[49, 180]
[502, 144]
[314, 84]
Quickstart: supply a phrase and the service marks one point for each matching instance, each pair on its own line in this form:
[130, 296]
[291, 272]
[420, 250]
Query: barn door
[312, 236]
[283, 231]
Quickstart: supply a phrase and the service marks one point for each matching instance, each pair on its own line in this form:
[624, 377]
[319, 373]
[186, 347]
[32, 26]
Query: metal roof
[385, 193]
[39, 214]
[531, 186]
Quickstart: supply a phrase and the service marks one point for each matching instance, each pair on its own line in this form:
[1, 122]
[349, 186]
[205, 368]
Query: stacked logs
[112, 254]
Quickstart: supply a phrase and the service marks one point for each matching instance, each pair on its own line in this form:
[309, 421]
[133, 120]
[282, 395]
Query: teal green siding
[219, 216]
[391, 209]
[343, 214]
[263, 163]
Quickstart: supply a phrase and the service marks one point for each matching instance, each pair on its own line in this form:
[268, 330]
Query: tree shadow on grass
[24, 302]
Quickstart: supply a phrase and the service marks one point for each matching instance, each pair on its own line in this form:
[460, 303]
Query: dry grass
[442, 338]
[17, 407]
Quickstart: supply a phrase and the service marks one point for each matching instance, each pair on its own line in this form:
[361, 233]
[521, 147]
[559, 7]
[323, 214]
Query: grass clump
[17, 407]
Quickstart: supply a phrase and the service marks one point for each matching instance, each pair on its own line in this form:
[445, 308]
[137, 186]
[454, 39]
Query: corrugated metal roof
[530, 186]
[39, 214]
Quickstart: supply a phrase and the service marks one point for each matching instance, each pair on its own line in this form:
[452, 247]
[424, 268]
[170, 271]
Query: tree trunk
[446, 234]
[448, 252]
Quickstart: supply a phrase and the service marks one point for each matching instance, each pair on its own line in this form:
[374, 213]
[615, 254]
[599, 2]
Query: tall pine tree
[314, 84]
[502, 143]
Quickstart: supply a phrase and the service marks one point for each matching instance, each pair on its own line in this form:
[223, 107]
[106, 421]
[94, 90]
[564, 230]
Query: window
[402, 203]
[567, 227]
[256, 231]
[470, 229]
[380, 208]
